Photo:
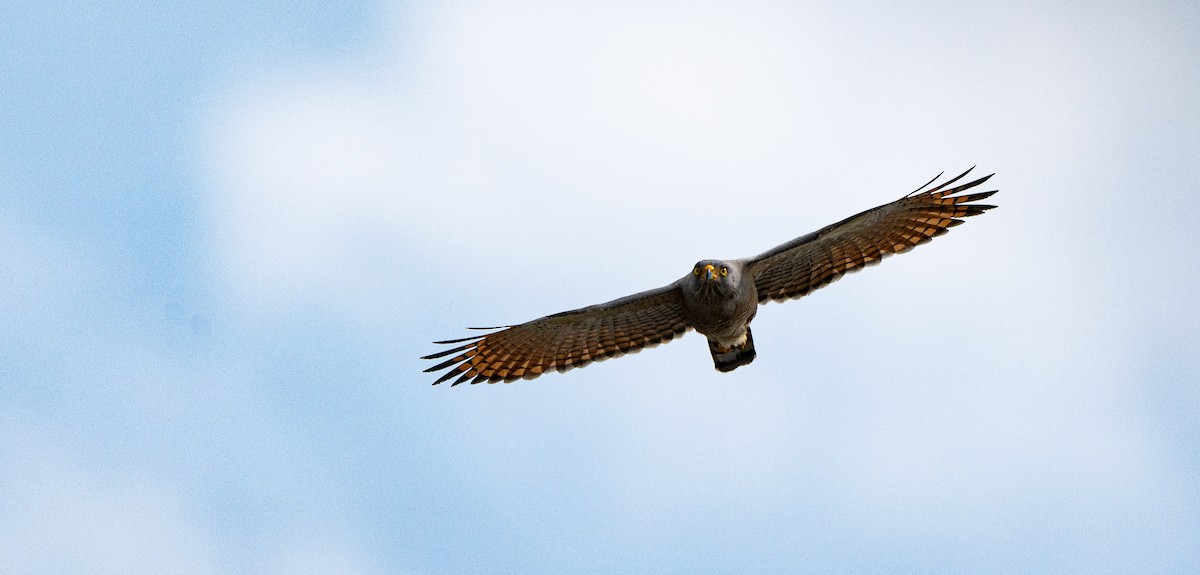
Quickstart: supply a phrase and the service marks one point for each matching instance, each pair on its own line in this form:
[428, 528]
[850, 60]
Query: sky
[229, 230]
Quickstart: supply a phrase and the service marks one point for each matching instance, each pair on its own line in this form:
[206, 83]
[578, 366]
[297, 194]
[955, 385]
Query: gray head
[715, 276]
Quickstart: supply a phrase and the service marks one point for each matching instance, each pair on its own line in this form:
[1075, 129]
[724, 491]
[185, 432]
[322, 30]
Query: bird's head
[715, 275]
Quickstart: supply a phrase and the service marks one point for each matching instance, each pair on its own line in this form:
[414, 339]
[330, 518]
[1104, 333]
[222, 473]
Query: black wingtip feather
[448, 363]
[975, 210]
[946, 183]
[965, 186]
[448, 351]
[926, 184]
[974, 197]
[450, 341]
[447, 376]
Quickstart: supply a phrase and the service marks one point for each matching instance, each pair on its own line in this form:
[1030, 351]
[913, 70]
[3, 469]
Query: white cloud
[127, 432]
[61, 517]
[499, 126]
[563, 155]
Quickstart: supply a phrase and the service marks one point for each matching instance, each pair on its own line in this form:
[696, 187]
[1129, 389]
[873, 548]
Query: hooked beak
[710, 273]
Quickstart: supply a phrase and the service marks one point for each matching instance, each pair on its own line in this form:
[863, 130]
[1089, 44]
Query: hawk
[718, 298]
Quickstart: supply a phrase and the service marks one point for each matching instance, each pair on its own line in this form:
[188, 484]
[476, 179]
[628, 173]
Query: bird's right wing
[566, 340]
[809, 262]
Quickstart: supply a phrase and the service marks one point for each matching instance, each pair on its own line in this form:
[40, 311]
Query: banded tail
[730, 358]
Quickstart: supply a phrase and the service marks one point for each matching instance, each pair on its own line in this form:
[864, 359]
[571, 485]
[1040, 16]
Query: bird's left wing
[566, 340]
[809, 262]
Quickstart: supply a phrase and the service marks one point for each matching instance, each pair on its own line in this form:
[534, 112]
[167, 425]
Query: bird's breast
[718, 314]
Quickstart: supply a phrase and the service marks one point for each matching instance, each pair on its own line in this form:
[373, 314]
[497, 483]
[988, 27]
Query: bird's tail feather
[728, 359]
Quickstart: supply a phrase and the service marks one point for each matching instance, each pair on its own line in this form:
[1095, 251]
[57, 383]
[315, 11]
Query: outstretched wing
[566, 340]
[813, 261]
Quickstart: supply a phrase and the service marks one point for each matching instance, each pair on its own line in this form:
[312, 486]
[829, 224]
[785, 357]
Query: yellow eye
[724, 271]
[696, 271]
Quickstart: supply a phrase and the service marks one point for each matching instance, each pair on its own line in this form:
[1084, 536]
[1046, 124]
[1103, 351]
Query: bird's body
[718, 298]
[719, 305]
[719, 301]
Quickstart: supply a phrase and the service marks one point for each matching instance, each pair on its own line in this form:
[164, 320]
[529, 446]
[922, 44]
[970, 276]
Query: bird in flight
[717, 298]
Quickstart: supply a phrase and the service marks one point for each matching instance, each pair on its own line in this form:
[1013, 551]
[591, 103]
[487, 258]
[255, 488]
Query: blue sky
[230, 229]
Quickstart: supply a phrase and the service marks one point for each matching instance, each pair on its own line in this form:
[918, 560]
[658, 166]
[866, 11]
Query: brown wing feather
[566, 340]
[810, 262]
